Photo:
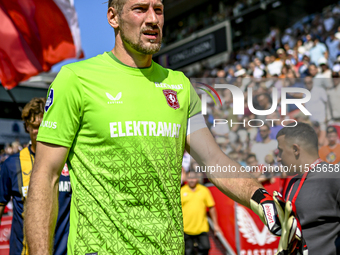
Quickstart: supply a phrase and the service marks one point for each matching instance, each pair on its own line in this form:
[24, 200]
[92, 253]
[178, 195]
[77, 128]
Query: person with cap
[314, 191]
[331, 153]
[281, 54]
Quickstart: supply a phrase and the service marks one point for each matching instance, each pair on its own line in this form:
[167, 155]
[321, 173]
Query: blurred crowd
[207, 17]
[10, 149]
[307, 56]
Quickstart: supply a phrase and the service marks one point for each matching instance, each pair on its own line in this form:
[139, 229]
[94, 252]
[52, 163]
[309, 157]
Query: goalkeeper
[314, 192]
[120, 120]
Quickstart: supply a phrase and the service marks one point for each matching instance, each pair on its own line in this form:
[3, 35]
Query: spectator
[321, 134]
[331, 153]
[259, 69]
[308, 43]
[324, 77]
[312, 70]
[267, 146]
[318, 51]
[14, 182]
[317, 104]
[300, 48]
[334, 102]
[303, 66]
[337, 34]
[275, 66]
[333, 47]
[275, 127]
[328, 22]
[195, 199]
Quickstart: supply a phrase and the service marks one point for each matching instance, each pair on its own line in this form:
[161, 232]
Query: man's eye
[139, 9]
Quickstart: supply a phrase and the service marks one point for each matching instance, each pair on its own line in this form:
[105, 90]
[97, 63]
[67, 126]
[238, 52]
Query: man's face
[193, 180]
[33, 127]
[332, 138]
[140, 25]
[309, 83]
[286, 153]
[264, 132]
[262, 100]
[252, 161]
[312, 70]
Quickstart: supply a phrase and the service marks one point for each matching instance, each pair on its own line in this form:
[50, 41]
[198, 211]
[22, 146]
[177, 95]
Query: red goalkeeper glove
[291, 241]
[264, 206]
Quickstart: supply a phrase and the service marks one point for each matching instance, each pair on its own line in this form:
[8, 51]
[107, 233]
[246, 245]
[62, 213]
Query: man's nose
[152, 17]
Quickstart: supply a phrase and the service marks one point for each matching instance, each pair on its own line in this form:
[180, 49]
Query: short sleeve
[209, 199]
[5, 185]
[195, 102]
[63, 110]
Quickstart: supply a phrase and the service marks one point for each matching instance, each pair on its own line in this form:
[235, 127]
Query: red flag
[35, 34]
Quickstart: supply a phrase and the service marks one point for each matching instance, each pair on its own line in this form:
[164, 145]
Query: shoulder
[273, 142]
[10, 162]
[203, 188]
[171, 74]
[81, 67]
[184, 188]
[323, 148]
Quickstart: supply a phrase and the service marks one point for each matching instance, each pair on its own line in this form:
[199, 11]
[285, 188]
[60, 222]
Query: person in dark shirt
[315, 190]
[14, 182]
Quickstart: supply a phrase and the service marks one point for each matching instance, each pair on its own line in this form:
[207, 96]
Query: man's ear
[112, 17]
[296, 150]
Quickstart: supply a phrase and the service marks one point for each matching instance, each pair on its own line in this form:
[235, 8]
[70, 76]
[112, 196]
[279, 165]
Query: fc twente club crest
[171, 98]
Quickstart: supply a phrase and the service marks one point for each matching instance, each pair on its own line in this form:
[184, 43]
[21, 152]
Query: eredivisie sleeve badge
[171, 98]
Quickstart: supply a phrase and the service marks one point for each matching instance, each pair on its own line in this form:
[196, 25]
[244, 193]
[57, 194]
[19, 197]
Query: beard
[139, 46]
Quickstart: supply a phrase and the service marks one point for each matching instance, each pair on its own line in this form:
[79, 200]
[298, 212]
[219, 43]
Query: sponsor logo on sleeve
[65, 171]
[49, 100]
[49, 124]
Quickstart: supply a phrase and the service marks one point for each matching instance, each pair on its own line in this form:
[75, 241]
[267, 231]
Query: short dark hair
[117, 4]
[265, 125]
[302, 133]
[251, 155]
[32, 109]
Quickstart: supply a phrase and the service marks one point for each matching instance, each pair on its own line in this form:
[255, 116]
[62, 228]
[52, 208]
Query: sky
[96, 34]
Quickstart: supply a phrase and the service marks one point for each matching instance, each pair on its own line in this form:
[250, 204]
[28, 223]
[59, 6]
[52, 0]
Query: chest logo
[171, 98]
[114, 100]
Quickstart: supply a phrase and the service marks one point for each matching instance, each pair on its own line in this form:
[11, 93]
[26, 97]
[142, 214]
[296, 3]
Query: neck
[332, 145]
[305, 162]
[33, 146]
[129, 56]
[193, 189]
[266, 140]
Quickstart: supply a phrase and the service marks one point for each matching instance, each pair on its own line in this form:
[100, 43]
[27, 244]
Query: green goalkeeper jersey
[126, 130]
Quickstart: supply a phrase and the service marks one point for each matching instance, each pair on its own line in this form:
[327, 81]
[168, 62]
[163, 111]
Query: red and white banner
[36, 34]
[5, 232]
[242, 228]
